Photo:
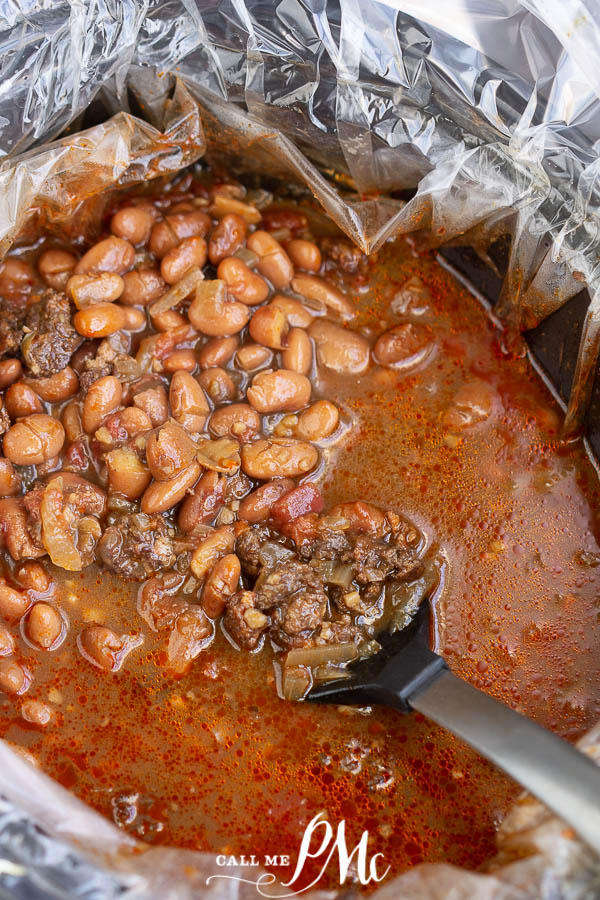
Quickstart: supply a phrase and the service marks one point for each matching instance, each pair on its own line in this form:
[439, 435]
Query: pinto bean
[71, 419]
[278, 458]
[201, 506]
[102, 398]
[304, 254]
[304, 499]
[34, 440]
[180, 360]
[33, 577]
[10, 371]
[169, 449]
[273, 261]
[10, 482]
[251, 356]
[402, 345]
[37, 712]
[133, 224]
[162, 239]
[135, 319]
[16, 275]
[189, 253]
[186, 224]
[21, 400]
[44, 626]
[297, 315]
[288, 217]
[56, 267]
[213, 314]
[268, 326]
[237, 419]
[57, 387]
[135, 421]
[99, 320]
[13, 677]
[14, 532]
[127, 474]
[105, 648]
[218, 384]
[218, 544]
[168, 320]
[113, 254]
[256, 507]
[142, 286]
[339, 349]
[154, 403]
[188, 402]
[227, 237]
[7, 641]
[85, 290]
[221, 583]
[297, 354]
[13, 603]
[318, 421]
[242, 283]
[163, 495]
[279, 391]
[314, 288]
[218, 351]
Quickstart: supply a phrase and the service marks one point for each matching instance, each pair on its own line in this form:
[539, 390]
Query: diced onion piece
[272, 553]
[247, 256]
[295, 683]
[182, 289]
[341, 575]
[321, 655]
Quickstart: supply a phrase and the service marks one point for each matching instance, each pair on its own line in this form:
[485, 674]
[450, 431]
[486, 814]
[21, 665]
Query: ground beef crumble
[51, 339]
[137, 545]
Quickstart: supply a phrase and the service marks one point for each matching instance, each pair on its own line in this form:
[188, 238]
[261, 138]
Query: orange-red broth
[216, 761]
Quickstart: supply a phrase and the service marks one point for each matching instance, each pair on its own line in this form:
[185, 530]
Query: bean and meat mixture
[234, 449]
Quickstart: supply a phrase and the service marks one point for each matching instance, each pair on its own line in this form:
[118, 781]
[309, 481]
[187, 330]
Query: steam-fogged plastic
[489, 112]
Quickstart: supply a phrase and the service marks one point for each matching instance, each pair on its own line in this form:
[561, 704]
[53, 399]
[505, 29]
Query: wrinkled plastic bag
[486, 113]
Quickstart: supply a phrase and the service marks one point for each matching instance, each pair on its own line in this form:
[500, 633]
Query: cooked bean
[10, 482]
[268, 326]
[13, 603]
[10, 371]
[44, 626]
[180, 360]
[278, 458]
[162, 239]
[223, 205]
[297, 354]
[142, 286]
[169, 449]
[237, 419]
[288, 217]
[99, 320]
[16, 275]
[168, 320]
[56, 267]
[58, 387]
[304, 254]
[134, 319]
[105, 648]
[86, 290]
[102, 398]
[218, 384]
[189, 253]
[201, 506]
[33, 440]
[218, 351]
[154, 403]
[273, 261]
[318, 421]
[13, 677]
[14, 531]
[71, 419]
[21, 400]
[256, 507]
[133, 224]
[188, 402]
[221, 583]
[304, 499]
[363, 517]
[227, 237]
[192, 223]
[113, 254]
[339, 349]
[134, 421]
[127, 474]
[163, 495]
[242, 283]
[213, 314]
[33, 577]
[297, 315]
[251, 356]
[7, 641]
[217, 545]
[314, 288]
[37, 712]
[279, 391]
[404, 344]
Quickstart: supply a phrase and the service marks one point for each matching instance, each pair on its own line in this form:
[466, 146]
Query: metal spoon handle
[565, 780]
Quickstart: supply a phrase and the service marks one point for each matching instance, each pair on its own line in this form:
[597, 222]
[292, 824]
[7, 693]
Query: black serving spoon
[406, 674]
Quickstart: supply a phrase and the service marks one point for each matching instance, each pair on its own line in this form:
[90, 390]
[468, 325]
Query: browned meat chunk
[347, 256]
[12, 317]
[295, 597]
[137, 545]
[375, 560]
[51, 339]
[247, 547]
[244, 623]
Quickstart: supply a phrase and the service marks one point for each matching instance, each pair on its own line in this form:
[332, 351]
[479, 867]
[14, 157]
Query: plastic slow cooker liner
[489, 113]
